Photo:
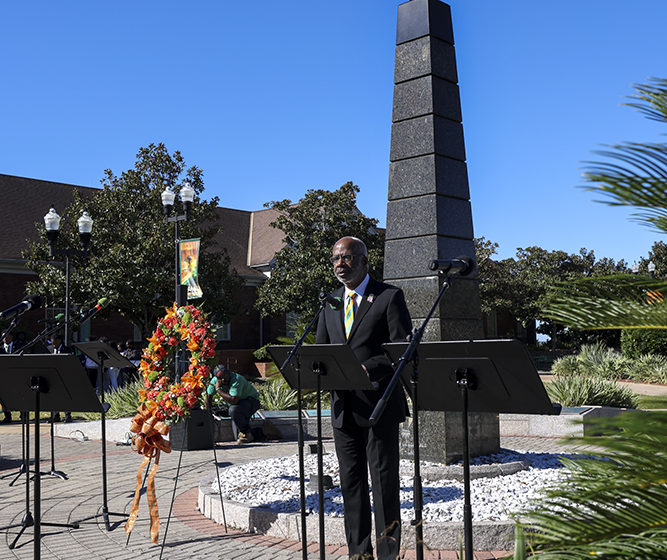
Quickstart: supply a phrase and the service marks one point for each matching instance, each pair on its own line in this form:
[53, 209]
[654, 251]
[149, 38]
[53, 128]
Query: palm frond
[651, 99]
[636, 173]
[609, 302]
[612, 505]
[635, 176]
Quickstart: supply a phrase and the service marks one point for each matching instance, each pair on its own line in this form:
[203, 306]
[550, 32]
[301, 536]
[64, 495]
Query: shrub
[651, 368]
[124, 402]
[635, 342]
[594, 360]
[574, 390]
[276, 394]
[567, 365]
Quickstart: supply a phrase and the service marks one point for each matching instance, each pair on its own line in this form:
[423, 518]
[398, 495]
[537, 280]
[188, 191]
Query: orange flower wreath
[165, 401]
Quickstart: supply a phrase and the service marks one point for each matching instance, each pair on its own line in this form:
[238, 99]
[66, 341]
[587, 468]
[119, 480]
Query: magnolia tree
[131, 260]
[311, 227]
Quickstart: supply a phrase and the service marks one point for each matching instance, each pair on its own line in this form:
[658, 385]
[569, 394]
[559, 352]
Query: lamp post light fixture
[651, 268]
[187, 194]
[635, 268]
[52, 224]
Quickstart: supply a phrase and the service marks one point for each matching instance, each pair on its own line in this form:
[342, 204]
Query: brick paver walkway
[190, 535]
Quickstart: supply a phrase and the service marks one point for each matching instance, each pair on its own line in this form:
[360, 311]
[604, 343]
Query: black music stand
[490, 375]
[320, 367]
[44, 382]
[104, 356]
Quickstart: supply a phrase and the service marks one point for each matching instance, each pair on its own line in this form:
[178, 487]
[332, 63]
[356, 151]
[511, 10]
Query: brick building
[249, 240]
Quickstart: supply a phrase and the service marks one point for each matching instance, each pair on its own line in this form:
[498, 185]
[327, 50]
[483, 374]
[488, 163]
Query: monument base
[441, 437]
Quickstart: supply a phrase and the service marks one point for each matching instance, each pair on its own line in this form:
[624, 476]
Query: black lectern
[472, 376]
[327, 367]
[321, 367]
[44, 382]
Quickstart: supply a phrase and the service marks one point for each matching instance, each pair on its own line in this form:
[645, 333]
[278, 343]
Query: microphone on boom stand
[460, 265]
[101, 304]
[334, 302]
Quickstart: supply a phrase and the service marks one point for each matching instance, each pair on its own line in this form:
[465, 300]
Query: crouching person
[242, 397]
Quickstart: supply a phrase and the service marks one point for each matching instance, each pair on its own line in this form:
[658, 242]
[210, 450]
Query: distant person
[7, 347]
[21, 341]
[58, 347]
[91, 370]
[242, 397]
[113, 373]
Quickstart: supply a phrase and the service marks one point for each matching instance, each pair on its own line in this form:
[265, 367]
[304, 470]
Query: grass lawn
[651, 401]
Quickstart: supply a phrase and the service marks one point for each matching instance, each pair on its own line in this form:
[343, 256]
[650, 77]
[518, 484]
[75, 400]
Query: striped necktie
[349, 313]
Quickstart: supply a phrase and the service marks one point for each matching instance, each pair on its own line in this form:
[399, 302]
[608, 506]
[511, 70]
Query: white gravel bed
[274, 484]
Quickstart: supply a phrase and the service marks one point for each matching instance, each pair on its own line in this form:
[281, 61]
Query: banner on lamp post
[189, 264]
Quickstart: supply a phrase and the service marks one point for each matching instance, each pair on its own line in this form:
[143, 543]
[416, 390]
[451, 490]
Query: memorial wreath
[165, 399]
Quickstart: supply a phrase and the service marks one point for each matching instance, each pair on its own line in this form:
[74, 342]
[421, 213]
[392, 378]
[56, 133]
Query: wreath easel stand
[166, 401]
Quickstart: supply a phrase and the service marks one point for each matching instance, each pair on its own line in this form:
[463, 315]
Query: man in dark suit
[7, 347]
[58, 347]
[374, 314]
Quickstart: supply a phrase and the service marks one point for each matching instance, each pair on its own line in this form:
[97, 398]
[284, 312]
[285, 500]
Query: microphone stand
[410, 355]
[302, 484]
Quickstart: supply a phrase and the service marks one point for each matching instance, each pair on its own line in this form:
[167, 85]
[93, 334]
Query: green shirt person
[242, 397]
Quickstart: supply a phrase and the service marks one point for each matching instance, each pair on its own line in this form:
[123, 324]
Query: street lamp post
[651, 268]
[52, 224]
[187, 194]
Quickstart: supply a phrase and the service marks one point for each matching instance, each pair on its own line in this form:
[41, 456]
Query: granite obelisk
[429, 214]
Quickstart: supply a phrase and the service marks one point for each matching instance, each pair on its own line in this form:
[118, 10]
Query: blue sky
[273, 98]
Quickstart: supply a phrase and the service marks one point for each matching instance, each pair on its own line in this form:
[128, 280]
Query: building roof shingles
[25, 201]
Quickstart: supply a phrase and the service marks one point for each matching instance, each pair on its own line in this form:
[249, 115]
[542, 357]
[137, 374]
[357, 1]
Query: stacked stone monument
[428, 213]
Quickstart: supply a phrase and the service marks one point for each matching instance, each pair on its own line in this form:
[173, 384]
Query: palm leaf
[635, 174]
[613, 505]
[609, 302]
[651, 100]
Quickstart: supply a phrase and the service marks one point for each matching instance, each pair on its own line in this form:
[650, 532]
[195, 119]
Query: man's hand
[219, 388]
[375, 384]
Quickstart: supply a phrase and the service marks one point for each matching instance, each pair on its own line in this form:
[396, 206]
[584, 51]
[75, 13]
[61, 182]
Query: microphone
[334, 302]
[29, 302]
[102, 303]
[460, 265]
[55, 319]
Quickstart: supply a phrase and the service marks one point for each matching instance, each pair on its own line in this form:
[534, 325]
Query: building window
[224, 332]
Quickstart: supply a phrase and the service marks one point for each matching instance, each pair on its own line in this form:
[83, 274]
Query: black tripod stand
[36, 383]
[25, 433]
[36, 342]
[104, 356]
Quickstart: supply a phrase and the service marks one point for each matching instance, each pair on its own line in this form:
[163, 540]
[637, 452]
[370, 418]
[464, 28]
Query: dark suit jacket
[382, 316]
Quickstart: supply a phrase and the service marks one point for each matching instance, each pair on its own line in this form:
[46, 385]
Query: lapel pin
[370, 298]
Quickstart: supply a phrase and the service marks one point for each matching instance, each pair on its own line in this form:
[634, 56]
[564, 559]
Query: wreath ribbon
[149, 442]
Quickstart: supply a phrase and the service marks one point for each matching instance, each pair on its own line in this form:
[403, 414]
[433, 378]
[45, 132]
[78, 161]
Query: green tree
[132, 250]
[523, 285]
[658, 256]
[311, 227]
